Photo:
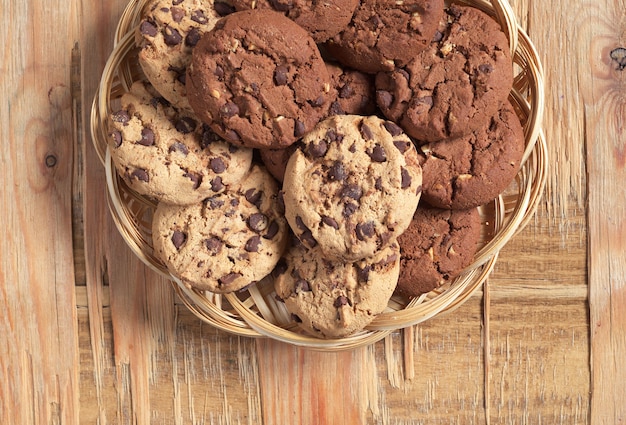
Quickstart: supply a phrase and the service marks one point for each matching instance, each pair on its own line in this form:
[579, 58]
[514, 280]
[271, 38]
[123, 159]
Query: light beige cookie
[352, 187]
[169, 155]
[167, 34]
[335, 299]
[226, 242]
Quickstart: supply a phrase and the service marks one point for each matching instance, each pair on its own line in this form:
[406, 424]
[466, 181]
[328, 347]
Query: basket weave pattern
[255, 312]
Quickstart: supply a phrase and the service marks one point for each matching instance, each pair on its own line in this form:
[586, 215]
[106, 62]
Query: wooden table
[89, 335]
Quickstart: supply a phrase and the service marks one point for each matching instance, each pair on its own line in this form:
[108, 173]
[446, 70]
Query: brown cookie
[436, 247]
[384, 34]
[275, 160]
[472, 170]
[453, 86]
[259, 79]
[353, 90]
[322, 19]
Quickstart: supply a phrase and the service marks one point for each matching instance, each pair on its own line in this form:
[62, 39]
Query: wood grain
[89, 335]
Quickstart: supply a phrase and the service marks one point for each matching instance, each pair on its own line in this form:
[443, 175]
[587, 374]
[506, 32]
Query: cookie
[456, 84]
[352, 187]
[385, 34]
[275, 160]
[168, 31]
[166, 153]
[321, 19]
[335, 299]
[226, 242]
[436, 247]
[353, 91]
[259, 79]
[472, 170]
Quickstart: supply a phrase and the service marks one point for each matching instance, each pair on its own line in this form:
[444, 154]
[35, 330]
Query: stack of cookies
[341, 148]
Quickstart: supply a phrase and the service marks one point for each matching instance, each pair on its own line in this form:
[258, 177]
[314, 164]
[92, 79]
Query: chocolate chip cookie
[472, 170]
[335, 299]
[436, 247]
[168, 32]
[456, 84]
[226, 242]
[384, 34]
[353, 91]
[259, 79]
[322, 19]
[352, 187]
[168, 154]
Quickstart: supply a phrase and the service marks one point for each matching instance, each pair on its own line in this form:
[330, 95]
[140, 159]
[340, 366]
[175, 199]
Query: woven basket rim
[254, 314]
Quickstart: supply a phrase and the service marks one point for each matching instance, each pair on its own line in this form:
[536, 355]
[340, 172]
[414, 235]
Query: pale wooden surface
[88, 335]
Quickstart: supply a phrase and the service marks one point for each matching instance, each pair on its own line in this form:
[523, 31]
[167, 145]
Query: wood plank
[39, 356]
[603, 78]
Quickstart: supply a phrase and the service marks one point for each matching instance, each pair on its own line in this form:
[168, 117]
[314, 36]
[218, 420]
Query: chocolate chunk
[365, 230]
[217, 165]
[318, 102]
[171, 36]
[363, 274]
[177, 14]
[341, 301]
[333, 136]
[280, 268]
[378, 154]
[378, 185]
[375, 22]
[121, 116]
[302, 286]
[384, 99]
[329, 221]
[349, 209]
[392, 128]
[401, 145]
[352, 191]
[192, 38]
[116, 135]
[213, 244]
[272, 231]
[317, 150]
[306, 236]
[252, 244]
[229, 278]
[231, 135]
[438, 36]
[282, 5]
[486, 68]
[254, 197]
[199, 17]
[223, 9]
[178, 147]
[147, 137]
[280, 75]
[178, 239]
[195, 178]
[229, 109]
[185, 125]
[258, 222]
[216, 184]
[140, 174]
[214, 203]
[366, 132]
[346, 91]
[337, 171]
[299, 129]
[336, 109]
[406, 178]
[219, 72]
[148, 28]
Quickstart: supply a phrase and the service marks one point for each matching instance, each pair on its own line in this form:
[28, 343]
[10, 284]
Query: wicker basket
[255, 312]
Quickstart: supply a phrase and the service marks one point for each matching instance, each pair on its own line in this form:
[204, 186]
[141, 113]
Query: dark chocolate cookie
[259, 79]
[353, 90]
[322, 19]
[456, 84]
[384, 34]
[436, 247]
[472, 170]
